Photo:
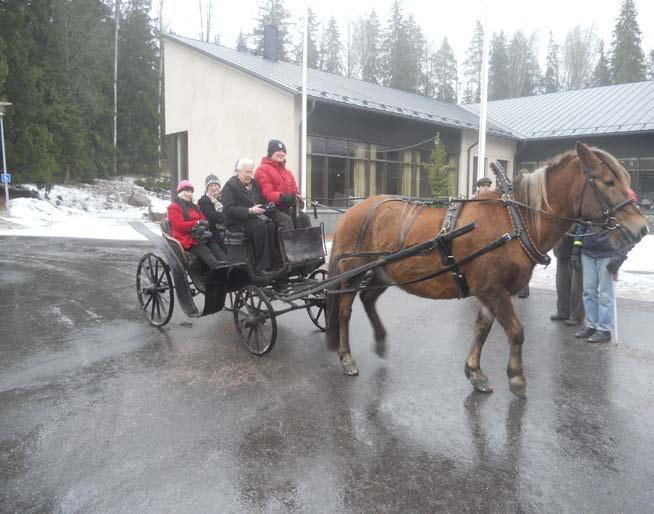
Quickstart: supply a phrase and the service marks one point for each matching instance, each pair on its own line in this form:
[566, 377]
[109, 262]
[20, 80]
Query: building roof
[332, 88]
[624, 108]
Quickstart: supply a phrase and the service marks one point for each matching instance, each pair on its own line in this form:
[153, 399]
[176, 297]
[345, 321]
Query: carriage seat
[176, 246]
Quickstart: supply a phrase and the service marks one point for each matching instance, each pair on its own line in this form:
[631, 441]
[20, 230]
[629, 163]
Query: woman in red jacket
[190, 227]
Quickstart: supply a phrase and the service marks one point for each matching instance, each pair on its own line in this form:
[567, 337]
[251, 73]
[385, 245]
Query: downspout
[468, 170]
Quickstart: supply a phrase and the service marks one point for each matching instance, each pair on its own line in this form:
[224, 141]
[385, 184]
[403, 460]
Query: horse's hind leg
[369, 298]
[506, 315]
[472, 368]
[345, 302]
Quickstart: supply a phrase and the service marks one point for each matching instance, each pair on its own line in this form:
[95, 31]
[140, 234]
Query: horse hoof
[380, 348]
[518, 387]
[481, 385]
[350, 369]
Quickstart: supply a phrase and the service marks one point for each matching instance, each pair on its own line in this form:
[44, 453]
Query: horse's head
[601, 194]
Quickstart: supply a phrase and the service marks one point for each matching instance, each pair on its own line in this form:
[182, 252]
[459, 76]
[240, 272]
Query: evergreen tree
[524, 72]
[498, 75]
[472, 66]
[137, 86]
[241, 42]
[273, 12]
[331, 49]
[437, 169]
[627, 58]
[429, 78]
[4, 68]
[602, 73]
[369, 47]
[650, 66]
[313, 53]
[26, 30]
[551, 80]
[402, 50]
[579, 57]
[446, 74]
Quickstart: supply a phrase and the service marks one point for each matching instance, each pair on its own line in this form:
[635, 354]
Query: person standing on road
[244, 207]
[569, 286]
[191, 228]
[596, 256]
[278, 186]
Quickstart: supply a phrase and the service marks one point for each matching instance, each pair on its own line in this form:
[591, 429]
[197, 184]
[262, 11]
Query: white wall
[496, 148]
[228, 114]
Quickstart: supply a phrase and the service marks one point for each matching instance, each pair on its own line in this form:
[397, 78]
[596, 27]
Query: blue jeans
[598, 293]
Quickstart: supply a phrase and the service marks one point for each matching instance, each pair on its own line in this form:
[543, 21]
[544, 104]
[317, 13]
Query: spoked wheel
[154, 288]
[255, 321]
[316, 308]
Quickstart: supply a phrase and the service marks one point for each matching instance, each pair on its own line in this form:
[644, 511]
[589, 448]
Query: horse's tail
[332, 329]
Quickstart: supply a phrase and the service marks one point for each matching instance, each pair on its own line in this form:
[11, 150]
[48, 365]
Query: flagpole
[481, 168]
[303, 143]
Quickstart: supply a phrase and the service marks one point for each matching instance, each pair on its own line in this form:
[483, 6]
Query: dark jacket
[209, 210]
[563, 249]
[597, 245]
[236, 200]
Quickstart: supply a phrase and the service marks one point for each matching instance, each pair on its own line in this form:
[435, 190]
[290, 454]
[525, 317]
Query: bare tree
[206, 13]
[579, 58]
[351, 55]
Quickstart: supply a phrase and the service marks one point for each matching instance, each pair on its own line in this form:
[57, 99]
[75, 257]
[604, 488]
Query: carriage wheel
[316, 308]
[154, 288]
[255, 321]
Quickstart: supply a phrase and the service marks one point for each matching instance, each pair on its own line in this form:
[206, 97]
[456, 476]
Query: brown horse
[587, 184]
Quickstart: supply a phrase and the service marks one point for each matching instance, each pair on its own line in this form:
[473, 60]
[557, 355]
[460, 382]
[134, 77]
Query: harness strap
[445, 246]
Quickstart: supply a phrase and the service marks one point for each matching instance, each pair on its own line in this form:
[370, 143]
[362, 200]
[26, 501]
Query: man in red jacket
[278, 186]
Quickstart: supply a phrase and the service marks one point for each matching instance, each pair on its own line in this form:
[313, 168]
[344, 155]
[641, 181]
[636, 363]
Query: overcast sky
[454, 19]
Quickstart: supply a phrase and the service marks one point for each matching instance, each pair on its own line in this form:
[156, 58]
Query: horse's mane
[531, 188]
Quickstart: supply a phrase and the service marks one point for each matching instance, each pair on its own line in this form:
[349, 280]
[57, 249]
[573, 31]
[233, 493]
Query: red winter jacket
[180, 228]
[274, 180]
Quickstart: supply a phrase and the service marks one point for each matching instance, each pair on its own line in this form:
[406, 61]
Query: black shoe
[573, 322]
[601, 336]
[585, 332]
[558, 317]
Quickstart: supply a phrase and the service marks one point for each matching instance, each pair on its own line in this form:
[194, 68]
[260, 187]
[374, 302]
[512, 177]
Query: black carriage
[173, 272]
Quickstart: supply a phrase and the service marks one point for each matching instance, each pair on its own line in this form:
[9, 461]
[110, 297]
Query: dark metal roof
[332, 88]
[602, 110]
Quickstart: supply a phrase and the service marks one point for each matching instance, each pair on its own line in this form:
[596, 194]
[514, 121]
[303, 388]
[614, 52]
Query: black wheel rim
[255, 321]
[316, 307]
[154, 288]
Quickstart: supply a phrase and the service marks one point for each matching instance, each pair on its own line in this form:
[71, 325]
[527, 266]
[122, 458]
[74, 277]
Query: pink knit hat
[185, 184]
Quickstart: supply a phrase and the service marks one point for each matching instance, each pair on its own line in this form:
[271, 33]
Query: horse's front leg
[472, 368]
[506, 315]
[344, 314]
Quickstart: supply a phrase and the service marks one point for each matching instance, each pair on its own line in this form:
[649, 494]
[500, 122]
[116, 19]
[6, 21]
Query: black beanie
[274, 145]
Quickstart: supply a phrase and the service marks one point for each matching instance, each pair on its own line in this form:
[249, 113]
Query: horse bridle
[610, 221]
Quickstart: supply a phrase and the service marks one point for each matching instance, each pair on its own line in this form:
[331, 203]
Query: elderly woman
[243, 206]
[186, 222]
[212, 208]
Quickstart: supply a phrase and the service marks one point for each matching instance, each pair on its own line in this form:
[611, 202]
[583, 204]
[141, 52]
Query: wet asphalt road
[101, 412]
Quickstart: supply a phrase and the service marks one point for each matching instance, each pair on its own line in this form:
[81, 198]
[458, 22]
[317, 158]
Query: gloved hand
[287, 199]
[575, 261]
[204, 223]
[614, 265]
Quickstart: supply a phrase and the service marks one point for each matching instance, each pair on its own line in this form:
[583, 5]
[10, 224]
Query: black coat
[562, 249]
[209, 210]
[237, 200]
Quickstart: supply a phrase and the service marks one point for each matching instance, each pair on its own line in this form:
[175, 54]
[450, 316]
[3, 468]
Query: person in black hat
[212, 208]
[278, 186]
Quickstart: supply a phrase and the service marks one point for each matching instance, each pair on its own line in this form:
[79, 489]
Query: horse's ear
[585, 154]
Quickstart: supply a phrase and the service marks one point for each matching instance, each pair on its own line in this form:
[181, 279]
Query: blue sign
[5, 178]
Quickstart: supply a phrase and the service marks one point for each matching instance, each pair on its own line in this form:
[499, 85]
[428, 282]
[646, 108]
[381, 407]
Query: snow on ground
[97, 211]
[100, 211]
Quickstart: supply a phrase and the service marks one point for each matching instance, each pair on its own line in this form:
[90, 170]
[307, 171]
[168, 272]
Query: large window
[341, 172]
